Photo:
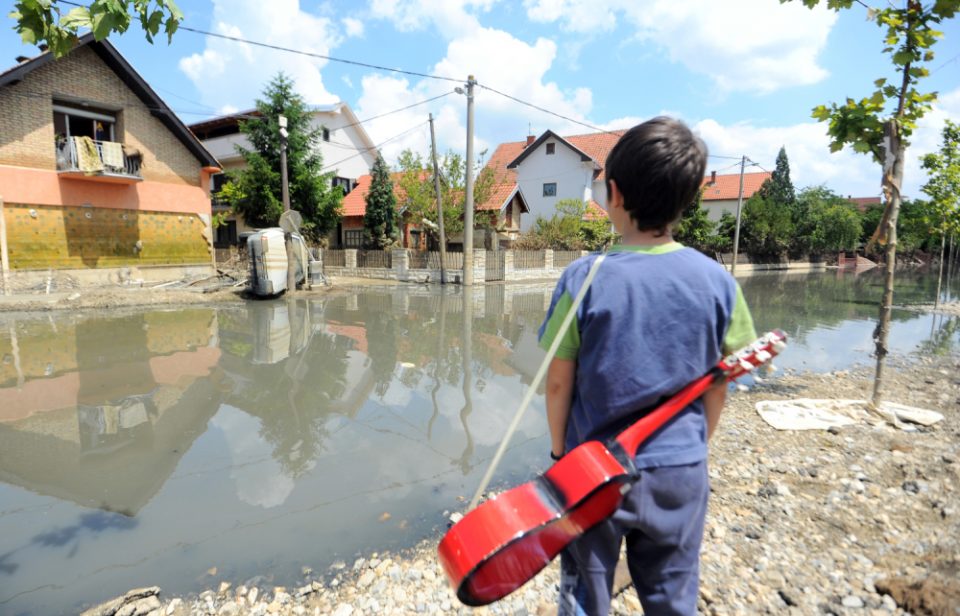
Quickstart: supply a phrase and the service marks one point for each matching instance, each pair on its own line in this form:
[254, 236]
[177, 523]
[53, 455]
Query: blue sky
[743, 73]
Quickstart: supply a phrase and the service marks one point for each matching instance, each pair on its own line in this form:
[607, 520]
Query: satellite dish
[290, 221]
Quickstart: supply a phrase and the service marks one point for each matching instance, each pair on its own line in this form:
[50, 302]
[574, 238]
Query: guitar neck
[729, 368]
[631, 438]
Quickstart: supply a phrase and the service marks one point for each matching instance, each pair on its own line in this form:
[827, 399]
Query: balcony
[106, 161]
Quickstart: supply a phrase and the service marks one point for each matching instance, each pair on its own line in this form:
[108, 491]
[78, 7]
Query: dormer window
[551, 148]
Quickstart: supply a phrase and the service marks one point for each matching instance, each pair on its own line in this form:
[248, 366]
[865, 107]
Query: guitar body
[501, 544]
[486, 559]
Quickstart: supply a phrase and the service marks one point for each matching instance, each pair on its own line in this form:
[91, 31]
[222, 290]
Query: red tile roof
[728, 186]
[863, 202]
[595, 145]
[594, 211]
[355, 204]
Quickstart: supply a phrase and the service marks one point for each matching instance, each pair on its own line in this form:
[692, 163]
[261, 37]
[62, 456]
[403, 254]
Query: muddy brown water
[183, 447]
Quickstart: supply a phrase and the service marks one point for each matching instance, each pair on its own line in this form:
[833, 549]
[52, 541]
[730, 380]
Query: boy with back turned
[657, 316]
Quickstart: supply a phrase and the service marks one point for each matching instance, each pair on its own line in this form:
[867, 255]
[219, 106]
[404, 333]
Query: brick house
[97, 174]
[543, 170]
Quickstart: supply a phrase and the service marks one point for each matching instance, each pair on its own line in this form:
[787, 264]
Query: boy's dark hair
[658, 167]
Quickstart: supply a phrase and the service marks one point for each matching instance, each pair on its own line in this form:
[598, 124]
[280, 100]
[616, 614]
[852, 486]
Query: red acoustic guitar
[508, 539]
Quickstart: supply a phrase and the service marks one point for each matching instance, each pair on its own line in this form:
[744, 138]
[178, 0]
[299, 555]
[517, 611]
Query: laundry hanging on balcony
[88, 156]
[111, 153]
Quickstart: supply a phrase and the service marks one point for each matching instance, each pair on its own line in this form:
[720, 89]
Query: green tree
[417, 185]
[881, 124]
[567, 230]
[779, 188]
[380, 220]
[943, 187]
[722, 239]
[695, 229]
[830, 222]
[255, 192]
[766, 229]
[42, 21]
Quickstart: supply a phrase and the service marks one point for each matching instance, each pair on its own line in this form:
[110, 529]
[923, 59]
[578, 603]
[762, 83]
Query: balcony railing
[106, 159]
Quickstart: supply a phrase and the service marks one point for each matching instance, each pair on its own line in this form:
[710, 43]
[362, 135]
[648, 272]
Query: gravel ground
[859, 520]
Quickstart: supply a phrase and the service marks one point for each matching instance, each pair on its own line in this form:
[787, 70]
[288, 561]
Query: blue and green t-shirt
[654, 319]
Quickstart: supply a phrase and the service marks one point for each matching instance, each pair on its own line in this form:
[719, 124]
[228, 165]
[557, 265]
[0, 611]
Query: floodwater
[184, 447]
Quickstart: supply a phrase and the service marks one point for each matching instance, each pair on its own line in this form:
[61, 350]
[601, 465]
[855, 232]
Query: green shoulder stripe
[741, 332]
[570, 343]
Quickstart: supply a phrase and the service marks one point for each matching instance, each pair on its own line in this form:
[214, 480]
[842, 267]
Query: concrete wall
[45, 236]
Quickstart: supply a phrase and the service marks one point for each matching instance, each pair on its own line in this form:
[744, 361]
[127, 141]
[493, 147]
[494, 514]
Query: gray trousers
[661, 518]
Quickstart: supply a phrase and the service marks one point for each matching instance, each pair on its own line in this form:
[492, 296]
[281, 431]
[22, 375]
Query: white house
[345, 146]
[549, 168]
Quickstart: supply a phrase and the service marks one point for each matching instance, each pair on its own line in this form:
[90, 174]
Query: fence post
[350, 260]
[508, 265]
[548, 259]
[400, 260]
[479, 265]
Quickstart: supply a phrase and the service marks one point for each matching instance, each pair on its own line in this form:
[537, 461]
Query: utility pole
[468, 205]
[436, 185]
[285, 196]
[736, 230]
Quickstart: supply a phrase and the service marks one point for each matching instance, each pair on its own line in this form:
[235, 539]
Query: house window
[353, 238]
[226, 234]
[550, 189]
[346, 183]
[326, 134]
[551, 148]
[73, 122]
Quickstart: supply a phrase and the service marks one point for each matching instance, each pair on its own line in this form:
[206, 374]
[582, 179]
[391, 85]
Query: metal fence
[496, 261]
[334, 258]
[374, 258]
[421, 259]
[529, 259]
[563, 258]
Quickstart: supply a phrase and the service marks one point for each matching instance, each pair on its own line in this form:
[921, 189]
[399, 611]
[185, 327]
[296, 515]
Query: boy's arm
[560, 379]
[713, 401]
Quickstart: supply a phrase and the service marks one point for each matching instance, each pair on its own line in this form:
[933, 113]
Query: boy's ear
[616, 197]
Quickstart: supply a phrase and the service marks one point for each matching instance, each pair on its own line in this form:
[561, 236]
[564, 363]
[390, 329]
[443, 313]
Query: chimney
[43, 47]
[530, 139]
[22, 59]
[713, 177]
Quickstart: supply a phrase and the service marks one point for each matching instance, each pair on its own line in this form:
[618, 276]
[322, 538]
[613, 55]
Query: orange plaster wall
[45, 187]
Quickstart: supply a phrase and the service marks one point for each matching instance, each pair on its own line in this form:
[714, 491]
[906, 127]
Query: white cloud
[811, 162]
[353, 27]
[496, 58]
[234, 74]
[451, 17]
[745, 45]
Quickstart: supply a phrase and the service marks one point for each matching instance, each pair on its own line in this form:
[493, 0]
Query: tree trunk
[892, 180]
[943, 244]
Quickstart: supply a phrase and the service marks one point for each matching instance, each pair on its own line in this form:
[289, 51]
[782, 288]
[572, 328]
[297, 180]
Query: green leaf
[902, 58]
[879, 82]
[76, 18]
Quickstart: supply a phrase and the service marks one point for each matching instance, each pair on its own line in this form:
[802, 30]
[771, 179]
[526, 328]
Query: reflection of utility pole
[436, 184]
[441, 352]
[736, 231]
[285, 196]
[466, 348]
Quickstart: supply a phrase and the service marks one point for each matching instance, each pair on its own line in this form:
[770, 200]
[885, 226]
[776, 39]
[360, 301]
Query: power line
[376, 147]
[311, 54]
[553, 113]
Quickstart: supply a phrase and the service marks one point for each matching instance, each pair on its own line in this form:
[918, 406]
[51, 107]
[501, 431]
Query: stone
[344, 609]
[852, 601]
[230, 608]
[252, 595]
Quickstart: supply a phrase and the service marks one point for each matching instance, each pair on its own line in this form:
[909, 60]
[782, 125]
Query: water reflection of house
[108, 429]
